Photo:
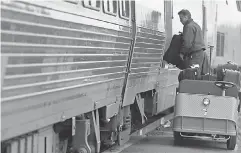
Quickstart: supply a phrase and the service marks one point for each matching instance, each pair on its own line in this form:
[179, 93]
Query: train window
[124, 9]
[110, 7]
[92, 4]
[72, 1]
[220, 44]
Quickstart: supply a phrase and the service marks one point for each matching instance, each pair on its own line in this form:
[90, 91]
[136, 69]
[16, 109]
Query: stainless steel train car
[78, 75]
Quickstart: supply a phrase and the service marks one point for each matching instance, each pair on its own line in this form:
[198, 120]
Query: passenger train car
[81, 74]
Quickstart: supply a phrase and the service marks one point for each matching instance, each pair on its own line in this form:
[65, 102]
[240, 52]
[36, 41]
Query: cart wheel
[177, 138]
[231, 143]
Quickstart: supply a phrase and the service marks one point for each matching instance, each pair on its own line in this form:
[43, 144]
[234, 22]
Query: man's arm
[188, 37]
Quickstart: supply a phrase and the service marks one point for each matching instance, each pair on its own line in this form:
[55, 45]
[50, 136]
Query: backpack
[172, 54]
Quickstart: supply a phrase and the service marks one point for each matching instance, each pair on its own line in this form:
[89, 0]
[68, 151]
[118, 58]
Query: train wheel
[231, 143]
[177, 138]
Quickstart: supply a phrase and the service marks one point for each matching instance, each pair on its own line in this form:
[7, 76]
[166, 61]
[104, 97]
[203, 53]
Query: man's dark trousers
[196, 57]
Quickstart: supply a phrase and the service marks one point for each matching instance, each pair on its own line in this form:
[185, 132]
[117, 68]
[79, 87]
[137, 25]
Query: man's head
[184, 16]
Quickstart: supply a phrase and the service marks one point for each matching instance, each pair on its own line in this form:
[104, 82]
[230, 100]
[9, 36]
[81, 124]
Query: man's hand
[181, 55]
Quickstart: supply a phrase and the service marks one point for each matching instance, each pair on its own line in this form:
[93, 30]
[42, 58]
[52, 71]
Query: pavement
[161, 140]
[163, 143]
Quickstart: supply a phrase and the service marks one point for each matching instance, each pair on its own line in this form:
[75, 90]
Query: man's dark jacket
[192, 38]
[172, 54]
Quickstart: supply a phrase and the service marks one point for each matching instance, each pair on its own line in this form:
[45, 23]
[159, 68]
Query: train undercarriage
[94, 131]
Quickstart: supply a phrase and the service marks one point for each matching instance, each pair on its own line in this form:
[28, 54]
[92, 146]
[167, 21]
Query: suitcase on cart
[221, 70]
[232, 76]
[190, 74]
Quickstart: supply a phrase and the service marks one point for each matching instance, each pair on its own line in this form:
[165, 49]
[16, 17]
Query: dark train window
[124, 9]
[92, 4]
[238, 2]
[72, 1]
[110, 7]
[220, 44]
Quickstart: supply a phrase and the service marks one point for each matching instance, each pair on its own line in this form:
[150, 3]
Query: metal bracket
[95, 105]
[140, 104]
[204, 137]
[95, 117]
[80, 139]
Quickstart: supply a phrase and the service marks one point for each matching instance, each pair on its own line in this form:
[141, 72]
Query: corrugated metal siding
[148, 51]
[57, 68]
[145, 66]
[26, 144]
[46, 53]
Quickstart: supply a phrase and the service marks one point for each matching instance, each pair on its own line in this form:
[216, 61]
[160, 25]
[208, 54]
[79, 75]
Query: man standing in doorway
[193, 47]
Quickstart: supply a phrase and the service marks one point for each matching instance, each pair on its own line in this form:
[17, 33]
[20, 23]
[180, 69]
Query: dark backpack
[172, 53]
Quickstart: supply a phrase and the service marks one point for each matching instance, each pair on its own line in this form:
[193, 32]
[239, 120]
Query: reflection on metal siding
[45, 53]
